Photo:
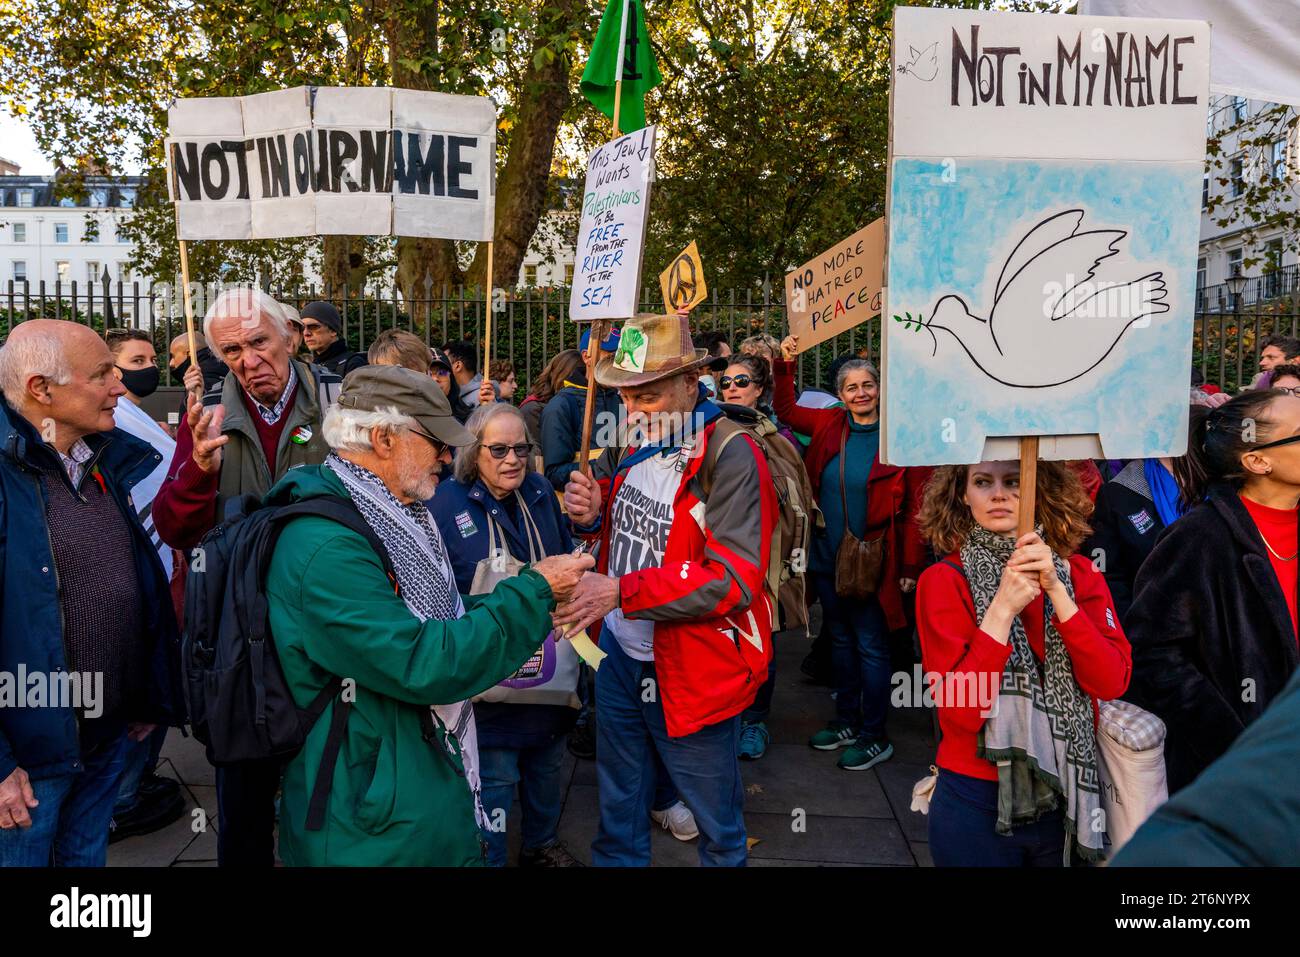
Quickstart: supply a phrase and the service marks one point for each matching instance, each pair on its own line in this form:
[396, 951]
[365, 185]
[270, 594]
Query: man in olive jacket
[405, 785]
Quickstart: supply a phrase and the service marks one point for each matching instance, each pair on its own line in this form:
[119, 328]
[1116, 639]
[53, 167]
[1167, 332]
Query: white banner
[1256, 48]
[611, 234]
[313, 161]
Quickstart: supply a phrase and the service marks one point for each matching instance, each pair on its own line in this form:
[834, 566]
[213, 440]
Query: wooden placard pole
[185, 275]
[487, 327]
[1028, 484]
[597, 335]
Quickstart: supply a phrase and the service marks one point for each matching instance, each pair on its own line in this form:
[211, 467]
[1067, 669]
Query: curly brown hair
[1062, 507]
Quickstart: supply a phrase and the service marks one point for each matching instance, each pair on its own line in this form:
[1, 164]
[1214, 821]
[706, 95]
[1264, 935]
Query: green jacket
[395, 799]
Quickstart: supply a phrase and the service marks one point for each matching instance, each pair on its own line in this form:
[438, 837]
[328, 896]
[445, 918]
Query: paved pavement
[800, 809]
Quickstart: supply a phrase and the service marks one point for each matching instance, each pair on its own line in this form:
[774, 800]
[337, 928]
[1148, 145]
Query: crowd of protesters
[717, 505]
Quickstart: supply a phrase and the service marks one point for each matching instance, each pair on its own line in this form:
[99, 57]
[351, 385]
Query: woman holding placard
[866, 557]
[1023, 638]
[1213, 619]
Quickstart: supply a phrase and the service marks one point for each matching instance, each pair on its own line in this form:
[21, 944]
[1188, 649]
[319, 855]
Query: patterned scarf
[428, 587]
[1040, 733]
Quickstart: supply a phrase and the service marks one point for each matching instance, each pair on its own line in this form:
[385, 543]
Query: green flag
[640, 74]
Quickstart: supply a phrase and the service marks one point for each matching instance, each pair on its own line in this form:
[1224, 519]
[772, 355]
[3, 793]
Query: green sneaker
[835, 735]
[865, 754]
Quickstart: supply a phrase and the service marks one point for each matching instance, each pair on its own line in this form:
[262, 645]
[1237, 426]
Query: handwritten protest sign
[683, 282]
[611, 234]
[838, 289]
[333, 160]
[1044, 214]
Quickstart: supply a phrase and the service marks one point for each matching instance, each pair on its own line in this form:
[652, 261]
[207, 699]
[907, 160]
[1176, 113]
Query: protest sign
[838, 289]
[611, 233]
[1043, 213]
[683, 282]
[312, 161]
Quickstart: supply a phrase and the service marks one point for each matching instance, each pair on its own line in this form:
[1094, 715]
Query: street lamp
[1236, 284]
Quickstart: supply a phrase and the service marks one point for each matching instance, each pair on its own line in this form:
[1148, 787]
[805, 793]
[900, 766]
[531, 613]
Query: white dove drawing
[1050, 322]
[924, 64]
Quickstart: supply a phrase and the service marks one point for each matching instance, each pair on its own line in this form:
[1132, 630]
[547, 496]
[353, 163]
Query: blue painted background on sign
[953, 237]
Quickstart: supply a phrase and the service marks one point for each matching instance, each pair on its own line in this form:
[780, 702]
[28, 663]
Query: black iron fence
[530, 326]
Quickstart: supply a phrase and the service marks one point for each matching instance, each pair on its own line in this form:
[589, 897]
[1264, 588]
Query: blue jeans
[70, 825]
[963, 816]
[141, 757]
[859, 658]
[762, 706]
[541, 794]
[703, 766]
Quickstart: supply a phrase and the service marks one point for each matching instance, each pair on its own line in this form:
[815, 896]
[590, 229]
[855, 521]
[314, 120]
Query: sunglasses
[499, 451]
[1289, 440]
[741, 381]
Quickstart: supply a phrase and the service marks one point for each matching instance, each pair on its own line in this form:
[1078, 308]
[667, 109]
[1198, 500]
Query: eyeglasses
[741, 381]
[499, 451]
[439, 447]
[1292, 390]
[1289, 440]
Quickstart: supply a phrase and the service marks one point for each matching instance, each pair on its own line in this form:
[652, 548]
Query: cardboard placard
[838, 289]
[313, 161]
[1043, 213]
[683, 282]
[611, 233]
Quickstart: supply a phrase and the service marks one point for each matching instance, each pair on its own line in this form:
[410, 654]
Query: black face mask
[178, 373]
[140, 382]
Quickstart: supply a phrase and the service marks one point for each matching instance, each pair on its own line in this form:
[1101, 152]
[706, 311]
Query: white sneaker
[677, 820]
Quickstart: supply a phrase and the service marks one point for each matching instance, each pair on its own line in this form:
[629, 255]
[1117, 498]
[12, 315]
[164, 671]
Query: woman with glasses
[497, 514]
[1213, 619]
[747, 381]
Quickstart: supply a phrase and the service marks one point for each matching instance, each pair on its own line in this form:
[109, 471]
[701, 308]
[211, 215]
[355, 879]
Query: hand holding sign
[683, 282]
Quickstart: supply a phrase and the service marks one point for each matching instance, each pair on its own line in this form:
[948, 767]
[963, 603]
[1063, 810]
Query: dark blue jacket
[562, 429]
[45, 742]
[460, 512]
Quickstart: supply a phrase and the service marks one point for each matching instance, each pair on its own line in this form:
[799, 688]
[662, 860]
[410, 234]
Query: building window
[123, 273]
[1273, 269]
[1236, 176]
[24, 197]
[1205, 190]
[60, 232]
[92, 272]
[530, 275]
[568, 274]
[1234, 261]
[1239, 108]
[99, 197]
[108, 230]
[1200, 284]
[126, 197]
[1277, 160]
[20, 270]
[20, 232]
[64, 270]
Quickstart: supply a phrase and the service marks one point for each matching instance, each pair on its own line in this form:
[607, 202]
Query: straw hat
[651, 347]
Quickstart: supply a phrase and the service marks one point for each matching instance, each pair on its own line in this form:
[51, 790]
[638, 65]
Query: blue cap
[608, 344]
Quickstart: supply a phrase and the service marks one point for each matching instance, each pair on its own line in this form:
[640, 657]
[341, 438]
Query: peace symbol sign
[681, 281]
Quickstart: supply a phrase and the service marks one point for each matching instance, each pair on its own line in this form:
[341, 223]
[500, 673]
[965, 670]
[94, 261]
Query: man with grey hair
[404, 790]
[239, 438]
[85, 611]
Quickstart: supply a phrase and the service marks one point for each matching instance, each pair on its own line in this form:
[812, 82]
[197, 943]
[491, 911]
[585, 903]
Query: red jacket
[971, 662]
[713, 621]
[893, 493]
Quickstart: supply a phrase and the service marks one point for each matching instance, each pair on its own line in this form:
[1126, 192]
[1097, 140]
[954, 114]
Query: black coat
[339, 359]
[1125, 526]
[1212, 638]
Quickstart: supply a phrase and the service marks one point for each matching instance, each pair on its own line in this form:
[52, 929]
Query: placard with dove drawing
[1043, 214]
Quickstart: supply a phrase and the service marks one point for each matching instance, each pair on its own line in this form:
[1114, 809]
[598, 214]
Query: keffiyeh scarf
[1041, 733]
[428, 587]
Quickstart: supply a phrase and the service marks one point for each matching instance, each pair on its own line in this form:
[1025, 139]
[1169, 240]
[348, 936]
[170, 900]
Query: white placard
[333, 160]
[611, 233]
[1043, 215]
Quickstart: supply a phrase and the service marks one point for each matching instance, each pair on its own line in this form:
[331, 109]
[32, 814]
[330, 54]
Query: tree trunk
[522, 185]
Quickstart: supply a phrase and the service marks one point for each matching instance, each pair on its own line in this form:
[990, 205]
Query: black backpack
[239, 703]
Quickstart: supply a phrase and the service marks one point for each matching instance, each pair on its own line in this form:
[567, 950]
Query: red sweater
[1277, 526]
[893, 493]
[185, 508]
[971, 661]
